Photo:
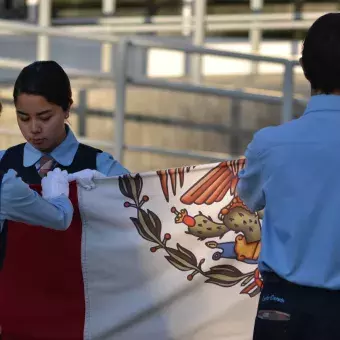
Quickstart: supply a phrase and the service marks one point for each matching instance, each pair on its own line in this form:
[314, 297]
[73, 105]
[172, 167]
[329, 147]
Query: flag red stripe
[41, 283]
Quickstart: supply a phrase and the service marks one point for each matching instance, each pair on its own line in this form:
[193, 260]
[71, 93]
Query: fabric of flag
[161, 255]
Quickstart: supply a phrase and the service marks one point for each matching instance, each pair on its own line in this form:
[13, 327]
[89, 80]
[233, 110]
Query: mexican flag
[161, 255]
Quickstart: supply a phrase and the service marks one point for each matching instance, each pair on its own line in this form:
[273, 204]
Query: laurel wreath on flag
[149, 227]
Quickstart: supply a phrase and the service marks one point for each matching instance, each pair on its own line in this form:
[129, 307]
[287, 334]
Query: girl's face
[40, 122]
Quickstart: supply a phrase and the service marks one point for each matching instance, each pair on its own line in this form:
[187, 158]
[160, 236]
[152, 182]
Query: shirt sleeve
[108, 166]
[250, 187]
[19, 203]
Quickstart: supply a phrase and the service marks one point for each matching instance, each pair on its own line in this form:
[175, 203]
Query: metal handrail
[177, 19]
[173, 24]
[123, 79]
[203, 155]
[209, 27]
[82, 32]
[253, 95]
[19, 64]
[25, 28]
[188, 48]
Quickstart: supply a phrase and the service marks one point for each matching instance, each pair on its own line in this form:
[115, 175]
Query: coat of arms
[216, 187]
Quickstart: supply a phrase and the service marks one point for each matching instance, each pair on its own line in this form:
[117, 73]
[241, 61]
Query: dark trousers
[291, 312]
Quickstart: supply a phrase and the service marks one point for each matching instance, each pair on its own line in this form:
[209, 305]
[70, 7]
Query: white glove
[85, 178]
[55, 184]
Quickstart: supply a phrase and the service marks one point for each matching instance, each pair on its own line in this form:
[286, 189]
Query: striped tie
[46, 164]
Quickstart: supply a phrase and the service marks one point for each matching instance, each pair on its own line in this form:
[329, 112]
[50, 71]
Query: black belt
[271, 277]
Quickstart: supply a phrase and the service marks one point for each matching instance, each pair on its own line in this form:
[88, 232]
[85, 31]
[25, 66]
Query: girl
[41, 261]
[43, 98]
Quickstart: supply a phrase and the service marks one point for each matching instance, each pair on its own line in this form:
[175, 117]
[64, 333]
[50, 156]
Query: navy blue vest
[85, 158]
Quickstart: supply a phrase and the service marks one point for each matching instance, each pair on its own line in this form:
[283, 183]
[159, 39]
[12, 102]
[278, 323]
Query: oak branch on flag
[161, 255]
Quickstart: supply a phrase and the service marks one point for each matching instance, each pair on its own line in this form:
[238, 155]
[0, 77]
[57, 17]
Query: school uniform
[293, 172]
[42, 315]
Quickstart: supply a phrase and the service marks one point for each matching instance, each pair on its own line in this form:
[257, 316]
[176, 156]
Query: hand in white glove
[55, 184]
[85, 178]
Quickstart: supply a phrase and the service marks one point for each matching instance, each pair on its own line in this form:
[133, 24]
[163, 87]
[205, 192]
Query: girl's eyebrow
[38, 113]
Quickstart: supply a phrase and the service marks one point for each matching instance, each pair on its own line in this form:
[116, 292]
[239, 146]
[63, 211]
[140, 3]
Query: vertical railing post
[44, 20]
[106, 57]
[187, 7]
[288, 93]
[235, 112]
[82, 108]
[198, 39]
[297, 34]
[108, 9]
[32, 10]
[187, 28]
[121, 67]
[255, 33]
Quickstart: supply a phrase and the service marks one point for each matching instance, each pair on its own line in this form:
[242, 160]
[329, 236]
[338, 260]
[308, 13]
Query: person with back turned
[292, 171]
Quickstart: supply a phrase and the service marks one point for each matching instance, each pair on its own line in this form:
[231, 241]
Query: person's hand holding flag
[85, 178]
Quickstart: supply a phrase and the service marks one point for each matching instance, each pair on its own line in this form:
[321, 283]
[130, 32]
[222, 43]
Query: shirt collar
[323, 102]
[62, 154]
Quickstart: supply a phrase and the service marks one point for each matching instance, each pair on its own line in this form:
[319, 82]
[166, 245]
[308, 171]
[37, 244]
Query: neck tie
[46, 164]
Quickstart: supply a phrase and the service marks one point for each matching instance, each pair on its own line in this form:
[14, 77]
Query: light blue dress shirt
[20, 203]
[293, 170]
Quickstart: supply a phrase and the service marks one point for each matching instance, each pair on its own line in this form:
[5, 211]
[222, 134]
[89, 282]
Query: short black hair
[321, 54]
[47, 79]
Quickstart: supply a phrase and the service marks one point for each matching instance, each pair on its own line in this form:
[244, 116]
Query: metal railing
[173, 24]
[254, 23]
[123, 78]
[21, 28]
[198, 24]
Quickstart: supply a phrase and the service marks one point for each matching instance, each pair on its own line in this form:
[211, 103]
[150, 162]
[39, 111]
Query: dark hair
[321, 54]
[46, 79]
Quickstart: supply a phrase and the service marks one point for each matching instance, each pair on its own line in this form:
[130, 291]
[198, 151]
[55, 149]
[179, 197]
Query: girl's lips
[38, 141]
